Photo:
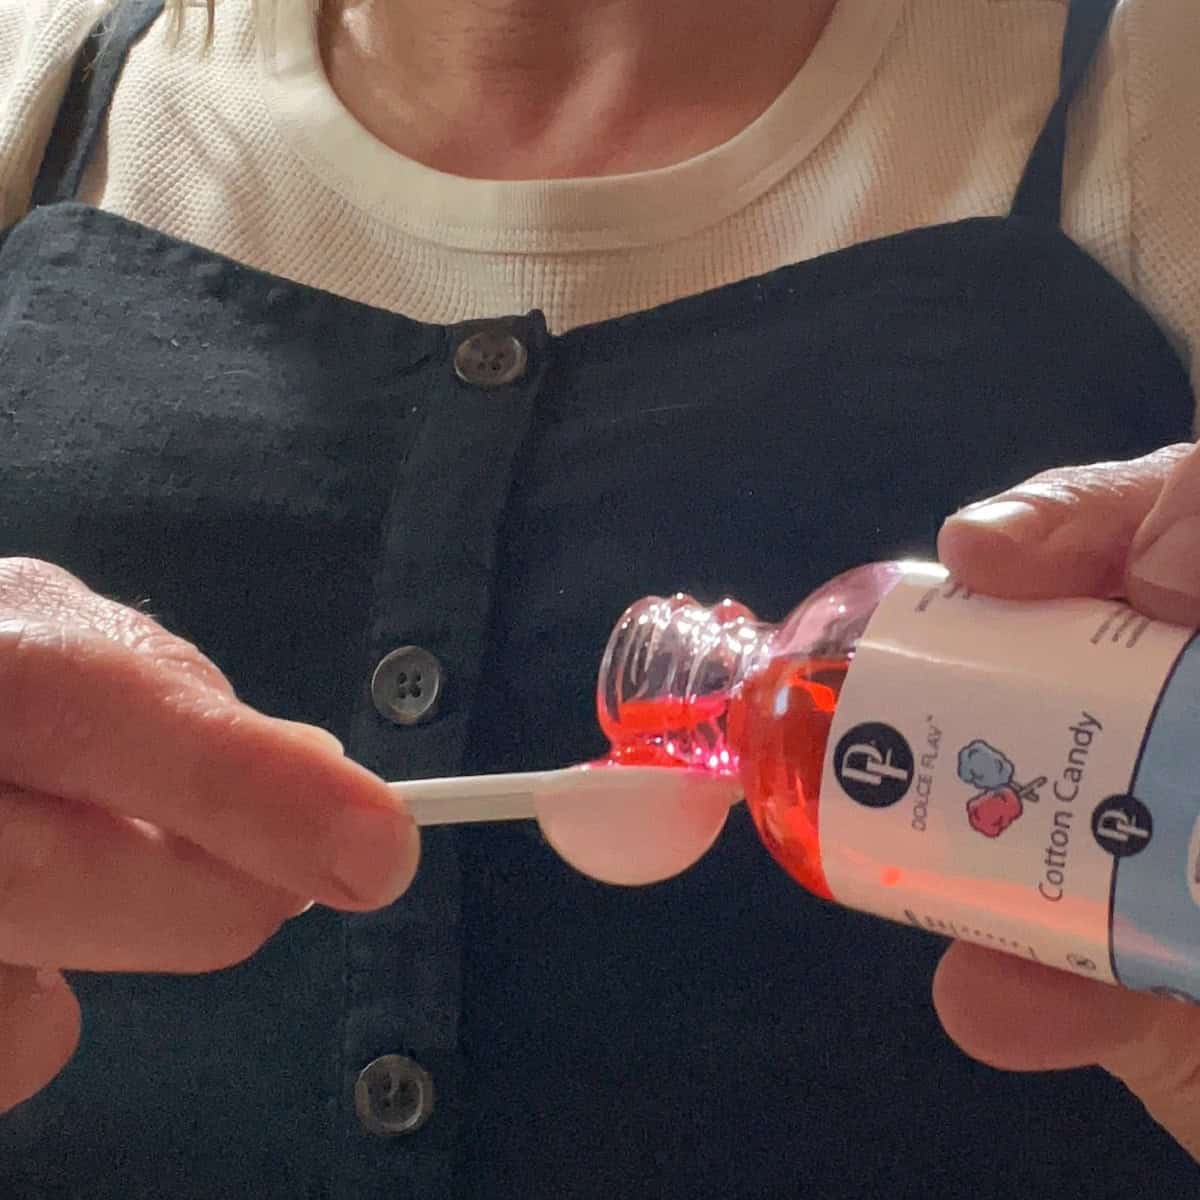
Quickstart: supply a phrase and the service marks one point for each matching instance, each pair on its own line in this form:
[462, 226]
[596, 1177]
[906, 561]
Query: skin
[152, 822]
[556, 89]
[149, 821]
[1131, 528]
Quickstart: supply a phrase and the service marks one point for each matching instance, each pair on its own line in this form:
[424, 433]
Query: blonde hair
[176, 10]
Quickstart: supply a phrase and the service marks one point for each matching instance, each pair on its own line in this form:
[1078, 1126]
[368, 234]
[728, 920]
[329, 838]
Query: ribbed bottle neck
[667, 675]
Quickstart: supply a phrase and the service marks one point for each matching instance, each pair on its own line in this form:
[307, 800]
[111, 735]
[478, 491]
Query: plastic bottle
[1022, 775]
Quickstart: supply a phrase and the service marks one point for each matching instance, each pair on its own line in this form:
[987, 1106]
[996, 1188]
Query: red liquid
[777, 728]
[649, 731]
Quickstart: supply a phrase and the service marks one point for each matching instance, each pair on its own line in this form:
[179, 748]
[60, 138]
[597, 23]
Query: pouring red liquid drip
[777, 725]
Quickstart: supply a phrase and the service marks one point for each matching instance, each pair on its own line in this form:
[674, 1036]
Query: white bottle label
[1025, 776]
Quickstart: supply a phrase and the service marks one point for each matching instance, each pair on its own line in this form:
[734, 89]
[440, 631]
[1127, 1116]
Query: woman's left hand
[1122, 528]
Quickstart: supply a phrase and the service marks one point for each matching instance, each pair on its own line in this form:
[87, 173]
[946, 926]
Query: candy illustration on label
[998, 801]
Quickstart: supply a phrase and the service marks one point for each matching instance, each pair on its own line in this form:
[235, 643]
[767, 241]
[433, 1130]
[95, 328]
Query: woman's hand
[1129, 528]
[149, 821]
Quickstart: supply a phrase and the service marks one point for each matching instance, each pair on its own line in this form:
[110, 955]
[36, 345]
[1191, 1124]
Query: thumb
[1021, 1016]
[1089, 531]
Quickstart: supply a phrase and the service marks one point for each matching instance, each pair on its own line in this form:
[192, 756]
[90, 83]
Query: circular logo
[1122, 825]
[874, 765]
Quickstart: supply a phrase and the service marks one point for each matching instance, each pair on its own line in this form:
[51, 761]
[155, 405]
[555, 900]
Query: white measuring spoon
[620, 824]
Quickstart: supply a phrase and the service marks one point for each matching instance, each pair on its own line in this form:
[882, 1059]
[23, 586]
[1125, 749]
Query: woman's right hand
[150, 821]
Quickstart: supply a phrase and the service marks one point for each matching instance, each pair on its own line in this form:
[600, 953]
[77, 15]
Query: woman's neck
[532, 89]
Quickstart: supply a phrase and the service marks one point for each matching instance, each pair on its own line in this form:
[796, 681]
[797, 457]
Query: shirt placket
[400, 1072]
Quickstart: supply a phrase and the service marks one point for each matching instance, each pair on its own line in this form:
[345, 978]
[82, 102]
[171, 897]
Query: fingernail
[1172, 561]
[376, 854]
[1016, 519]
[315, 734]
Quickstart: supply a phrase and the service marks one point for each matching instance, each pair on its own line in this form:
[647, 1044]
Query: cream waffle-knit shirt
[908, 113]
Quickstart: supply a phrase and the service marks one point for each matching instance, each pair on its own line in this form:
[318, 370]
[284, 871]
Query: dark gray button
[490, 358]
[393, 1095]
[407, 686]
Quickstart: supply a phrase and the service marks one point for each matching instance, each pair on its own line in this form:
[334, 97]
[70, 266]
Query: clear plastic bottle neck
[667, 675]
[673, 664]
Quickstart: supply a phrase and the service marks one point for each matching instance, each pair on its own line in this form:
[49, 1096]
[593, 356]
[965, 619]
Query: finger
[1163, 577]
[1065, 532]
[93, 720]
[1021, 1016]
[84, 890]
[31, 587]
[39, 1030]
